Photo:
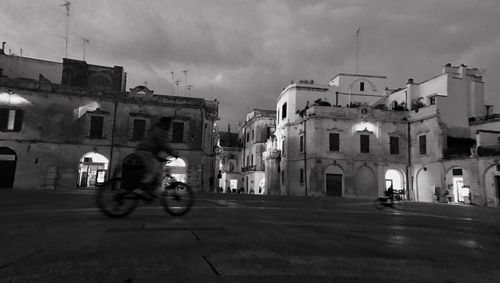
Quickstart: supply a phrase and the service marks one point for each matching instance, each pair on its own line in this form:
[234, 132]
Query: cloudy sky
[243, 53]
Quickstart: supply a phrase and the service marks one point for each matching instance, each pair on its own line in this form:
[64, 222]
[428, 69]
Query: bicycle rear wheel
[177, 199]
[114, 200]
[379, 203]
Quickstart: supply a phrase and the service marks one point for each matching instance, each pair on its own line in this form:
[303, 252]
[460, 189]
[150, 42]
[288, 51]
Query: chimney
[3, 47]
[410, 81]
[228, 128]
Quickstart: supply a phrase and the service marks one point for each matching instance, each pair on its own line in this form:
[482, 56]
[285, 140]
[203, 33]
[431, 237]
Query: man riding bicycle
[390, 193]
[149, 150]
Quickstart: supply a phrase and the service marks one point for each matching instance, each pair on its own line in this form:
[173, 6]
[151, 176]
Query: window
[253, 135]
[282, 177]
[139, 129]
[364, 142]
[251, 160]
[96, 126]
[283, 151]
[301, 176]
[361, 86]
[432, 100]
[301, 143]
[283, 111]
[394, 145]
[422, 144]
[268, 133]
[334, 142]
[11, 120]
[457, 172]
[248, 137]
[248, 160]
[177, 132]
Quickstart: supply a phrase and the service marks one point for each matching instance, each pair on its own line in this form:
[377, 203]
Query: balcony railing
[252, 168]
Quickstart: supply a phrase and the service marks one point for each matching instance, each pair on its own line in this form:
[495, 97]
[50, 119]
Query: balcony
[251, 168]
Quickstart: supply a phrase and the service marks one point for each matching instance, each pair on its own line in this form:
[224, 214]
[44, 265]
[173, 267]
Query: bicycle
[116, 197]
[394, 203]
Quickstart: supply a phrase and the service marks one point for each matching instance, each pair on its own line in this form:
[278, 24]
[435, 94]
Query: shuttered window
[394, 145]
[178, 132]
[11, 120]
[139, 129]
[334, 142]
[422, 144]
[364, 142]
[96, 126]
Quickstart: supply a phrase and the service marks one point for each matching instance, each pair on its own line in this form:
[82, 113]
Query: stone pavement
[62, 237]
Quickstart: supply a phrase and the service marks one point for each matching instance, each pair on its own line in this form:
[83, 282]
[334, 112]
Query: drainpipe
[305, 156]
[112, 138]
[409, 164]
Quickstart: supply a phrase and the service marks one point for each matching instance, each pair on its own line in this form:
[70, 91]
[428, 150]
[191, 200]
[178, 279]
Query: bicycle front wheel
[114, 200]
[177, 199]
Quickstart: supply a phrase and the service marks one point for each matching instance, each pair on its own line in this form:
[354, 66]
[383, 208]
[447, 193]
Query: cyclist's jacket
[156, 142]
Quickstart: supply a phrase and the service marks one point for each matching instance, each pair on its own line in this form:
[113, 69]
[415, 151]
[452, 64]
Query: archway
[333, 181]
[395, 178]
[366, 182]
[92, 170]
[428, 182]
[177, 169]
[8, 160]
[491, 186]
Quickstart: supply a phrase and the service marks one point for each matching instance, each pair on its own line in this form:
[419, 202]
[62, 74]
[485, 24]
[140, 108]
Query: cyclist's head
[164, 123]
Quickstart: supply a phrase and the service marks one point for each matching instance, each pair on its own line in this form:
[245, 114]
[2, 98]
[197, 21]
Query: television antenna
[172, 73]
[66, 5]
[185, 80]
[189, 87]
[85, 40]
[177, 84]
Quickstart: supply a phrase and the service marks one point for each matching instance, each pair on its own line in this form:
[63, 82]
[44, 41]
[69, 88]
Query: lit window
[11, 120]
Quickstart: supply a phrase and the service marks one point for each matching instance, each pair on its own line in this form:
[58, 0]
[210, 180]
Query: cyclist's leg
[146, 158]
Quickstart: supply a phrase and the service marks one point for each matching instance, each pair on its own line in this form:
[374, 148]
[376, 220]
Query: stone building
[431, 141]
[230, 179]
[73, 132]
[254, 133]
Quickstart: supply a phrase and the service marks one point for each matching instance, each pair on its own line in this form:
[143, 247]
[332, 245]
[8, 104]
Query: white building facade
[430, 141]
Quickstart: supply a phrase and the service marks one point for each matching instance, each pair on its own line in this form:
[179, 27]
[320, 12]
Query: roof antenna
[357, 49]
[66, 5]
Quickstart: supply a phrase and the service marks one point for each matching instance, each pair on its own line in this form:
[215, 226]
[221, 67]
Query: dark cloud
[243, 53]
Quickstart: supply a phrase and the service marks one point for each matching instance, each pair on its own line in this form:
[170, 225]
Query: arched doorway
[333, 181]
[177, 169]
[394, 178]
[8, 160]
[92, 170]
[491, 186]
[366, 182]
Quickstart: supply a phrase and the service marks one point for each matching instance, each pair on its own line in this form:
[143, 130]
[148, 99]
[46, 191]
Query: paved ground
[61, 237]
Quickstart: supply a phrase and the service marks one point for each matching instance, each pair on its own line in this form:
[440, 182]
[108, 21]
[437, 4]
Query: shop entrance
[92, 170]
[395, 179]
[8, 161]
[177, 169]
